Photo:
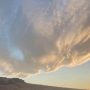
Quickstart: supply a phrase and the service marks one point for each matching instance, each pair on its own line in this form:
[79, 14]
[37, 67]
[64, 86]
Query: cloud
[44, 35]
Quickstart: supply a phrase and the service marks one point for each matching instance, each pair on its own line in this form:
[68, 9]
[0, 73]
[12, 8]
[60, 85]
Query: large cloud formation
[43, 35]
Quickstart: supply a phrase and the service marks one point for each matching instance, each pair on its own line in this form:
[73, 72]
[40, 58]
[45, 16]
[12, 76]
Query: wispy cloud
[45, 35]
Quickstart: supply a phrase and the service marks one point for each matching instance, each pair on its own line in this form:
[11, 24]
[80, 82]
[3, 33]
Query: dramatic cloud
[43, 35]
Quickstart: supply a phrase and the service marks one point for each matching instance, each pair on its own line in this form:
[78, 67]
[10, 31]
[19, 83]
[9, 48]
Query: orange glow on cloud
[50, 37]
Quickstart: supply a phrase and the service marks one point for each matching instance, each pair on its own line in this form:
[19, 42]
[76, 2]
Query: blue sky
[46, 41]
[76, 77]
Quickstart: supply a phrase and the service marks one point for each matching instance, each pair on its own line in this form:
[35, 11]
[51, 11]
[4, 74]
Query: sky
[46, 41]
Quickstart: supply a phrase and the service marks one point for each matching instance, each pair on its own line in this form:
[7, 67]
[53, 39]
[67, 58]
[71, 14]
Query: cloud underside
[44, 36]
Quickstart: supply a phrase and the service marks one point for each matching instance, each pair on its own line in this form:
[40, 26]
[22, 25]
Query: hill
[18, 84]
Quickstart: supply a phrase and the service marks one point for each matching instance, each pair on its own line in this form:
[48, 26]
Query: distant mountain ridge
[19, 84]
[4, 80]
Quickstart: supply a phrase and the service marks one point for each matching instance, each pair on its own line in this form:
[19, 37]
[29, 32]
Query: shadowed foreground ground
[18, 84]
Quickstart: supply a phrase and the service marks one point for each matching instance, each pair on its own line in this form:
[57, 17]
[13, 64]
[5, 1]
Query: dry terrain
[18, 84]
